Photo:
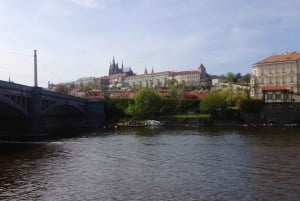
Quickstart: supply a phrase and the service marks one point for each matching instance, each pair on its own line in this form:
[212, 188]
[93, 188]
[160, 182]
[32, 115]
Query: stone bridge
[33, 111]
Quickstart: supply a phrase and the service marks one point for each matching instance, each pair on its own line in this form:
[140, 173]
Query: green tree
[147, 103]
[213, 101]
[174, 88]
[117, 107]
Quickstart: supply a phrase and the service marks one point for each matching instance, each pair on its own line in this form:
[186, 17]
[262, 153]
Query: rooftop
[276, 88]
[287, 56]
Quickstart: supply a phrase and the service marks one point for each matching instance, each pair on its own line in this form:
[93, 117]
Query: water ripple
[167, 165]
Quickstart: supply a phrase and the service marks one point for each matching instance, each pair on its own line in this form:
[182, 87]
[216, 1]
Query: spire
[9, 78]
[113, 62]
[122, 66]
[152, 71]
[145, 72]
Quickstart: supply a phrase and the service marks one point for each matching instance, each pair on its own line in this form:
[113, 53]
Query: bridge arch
[61, 107]
[13, 107]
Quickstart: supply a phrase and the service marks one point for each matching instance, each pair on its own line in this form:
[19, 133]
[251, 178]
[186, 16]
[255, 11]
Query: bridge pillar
[95, 115]
[36, 116]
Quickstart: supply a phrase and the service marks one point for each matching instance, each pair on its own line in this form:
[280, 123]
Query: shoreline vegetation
[200, 120]
[218, 108]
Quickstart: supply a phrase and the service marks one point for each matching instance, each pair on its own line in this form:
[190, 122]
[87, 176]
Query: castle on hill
[115, 69]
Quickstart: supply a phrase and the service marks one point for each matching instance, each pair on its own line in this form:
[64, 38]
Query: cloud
[86, 3]
[77, 38]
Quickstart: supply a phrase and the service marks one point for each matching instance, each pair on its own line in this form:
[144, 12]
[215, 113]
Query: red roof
[276, 88]
[80, 90]
[289, 56]
[194, 94]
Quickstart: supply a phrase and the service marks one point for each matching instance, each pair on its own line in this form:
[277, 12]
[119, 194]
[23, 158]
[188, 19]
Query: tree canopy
[147, 103]
[213, 101]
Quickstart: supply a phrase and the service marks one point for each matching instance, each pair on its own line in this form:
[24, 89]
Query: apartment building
[276, 70]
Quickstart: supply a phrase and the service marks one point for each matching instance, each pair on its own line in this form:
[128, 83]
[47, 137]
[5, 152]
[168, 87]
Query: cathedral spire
[145, 72]
[113, 62]
[152, 71]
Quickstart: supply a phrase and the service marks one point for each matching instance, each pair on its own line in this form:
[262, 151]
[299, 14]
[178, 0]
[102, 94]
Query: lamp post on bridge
[35, 70]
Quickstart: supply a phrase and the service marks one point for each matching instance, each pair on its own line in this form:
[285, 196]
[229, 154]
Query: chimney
[35, 69]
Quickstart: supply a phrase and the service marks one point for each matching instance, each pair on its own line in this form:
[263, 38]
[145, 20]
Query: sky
[78, 38]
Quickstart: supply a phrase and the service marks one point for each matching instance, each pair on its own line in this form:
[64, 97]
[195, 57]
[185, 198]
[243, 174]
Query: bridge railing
[14, 86]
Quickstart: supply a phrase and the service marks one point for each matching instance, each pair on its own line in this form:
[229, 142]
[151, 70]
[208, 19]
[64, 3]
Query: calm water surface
[155, 164]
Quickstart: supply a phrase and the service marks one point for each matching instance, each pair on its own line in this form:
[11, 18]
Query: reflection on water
[155, 164]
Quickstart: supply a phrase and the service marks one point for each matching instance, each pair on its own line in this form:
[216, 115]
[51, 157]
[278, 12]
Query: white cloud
[86, 3]
[77, 38]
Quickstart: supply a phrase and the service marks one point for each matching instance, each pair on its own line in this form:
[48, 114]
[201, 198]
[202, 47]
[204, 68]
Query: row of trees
[149, 103]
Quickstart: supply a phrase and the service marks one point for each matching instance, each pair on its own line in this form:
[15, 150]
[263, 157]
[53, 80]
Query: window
[293, 69]
[270, 80]
[262, 80]
[270, 96]
[278, 96]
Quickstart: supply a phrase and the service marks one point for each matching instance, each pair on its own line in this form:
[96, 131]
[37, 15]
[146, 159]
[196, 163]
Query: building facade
[195, 78]
[276, 70]
[148, 80]
[115, 81]
[114, 69]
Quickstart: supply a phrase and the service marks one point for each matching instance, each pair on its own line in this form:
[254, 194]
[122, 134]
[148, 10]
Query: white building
[157, 80]
[276, 70]
[152, 80]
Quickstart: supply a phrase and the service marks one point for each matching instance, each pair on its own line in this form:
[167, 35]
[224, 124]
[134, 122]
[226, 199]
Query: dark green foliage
[212, 102]
[179, 106]
[116, 108]
[169, 106]
[251, 105]
[147, 104]
[187, 105]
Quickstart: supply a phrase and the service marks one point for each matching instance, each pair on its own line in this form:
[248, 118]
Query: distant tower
[152, 71]
[146, 71]
[35, 70]
[114, 67]
[202, 70]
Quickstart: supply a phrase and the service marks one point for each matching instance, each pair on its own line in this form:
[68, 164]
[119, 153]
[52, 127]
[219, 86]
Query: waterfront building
[276, 70]
[277, 94]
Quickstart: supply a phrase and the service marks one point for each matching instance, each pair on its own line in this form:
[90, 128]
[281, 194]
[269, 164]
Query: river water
[155, 164]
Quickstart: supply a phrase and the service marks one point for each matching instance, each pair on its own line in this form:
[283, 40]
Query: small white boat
[152, 123]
